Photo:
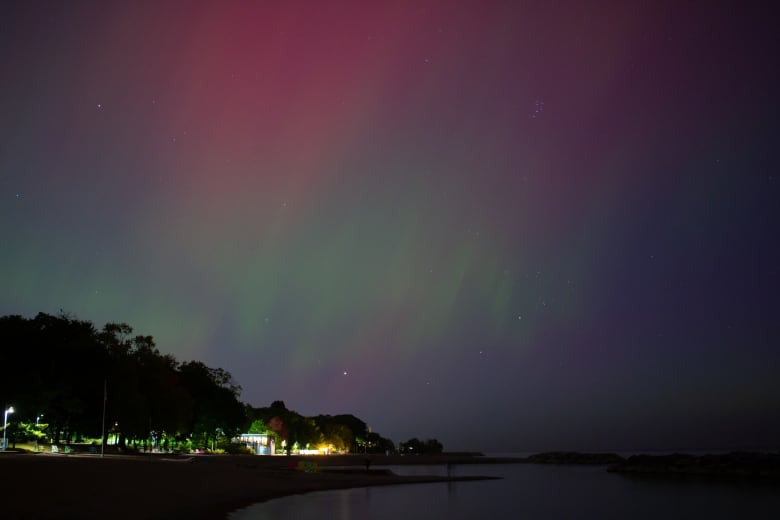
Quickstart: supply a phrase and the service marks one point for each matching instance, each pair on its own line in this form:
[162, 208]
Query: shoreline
[88, 486]
[742, 465]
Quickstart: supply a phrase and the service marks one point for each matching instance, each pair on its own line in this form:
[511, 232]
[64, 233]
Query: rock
[744, 464]
[573, 457]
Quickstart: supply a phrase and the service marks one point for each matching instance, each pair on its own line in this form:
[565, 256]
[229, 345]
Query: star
[538, 108]
[345, 372]
[100, 105]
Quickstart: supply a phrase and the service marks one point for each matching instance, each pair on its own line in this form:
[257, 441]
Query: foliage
[64, 368]
[375, 443]
[259, 426]
[288, 426]
[227, 446]
[342, 431]
[345, 433]
[415, 446]
[217, 411]
[26, 431]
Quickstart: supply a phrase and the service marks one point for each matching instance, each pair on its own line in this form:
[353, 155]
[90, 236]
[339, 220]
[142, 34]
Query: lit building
[259, 443]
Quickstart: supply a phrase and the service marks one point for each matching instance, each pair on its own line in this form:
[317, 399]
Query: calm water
[530, 491]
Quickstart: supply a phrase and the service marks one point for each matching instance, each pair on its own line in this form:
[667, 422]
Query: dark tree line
[415, 446]
[61, 369]
[344, 433]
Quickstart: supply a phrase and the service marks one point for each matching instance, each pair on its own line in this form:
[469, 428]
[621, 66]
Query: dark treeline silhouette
[342, 433]
[415, 446]
[58, 370]
[61, 369]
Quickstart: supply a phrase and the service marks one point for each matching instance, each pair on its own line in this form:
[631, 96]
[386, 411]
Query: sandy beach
[87, 486]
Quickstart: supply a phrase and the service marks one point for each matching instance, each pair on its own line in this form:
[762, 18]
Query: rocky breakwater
[573, 457]
[736, 464]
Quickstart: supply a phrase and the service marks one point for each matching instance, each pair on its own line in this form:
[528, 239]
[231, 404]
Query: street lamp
[37, 429]
[5, 425]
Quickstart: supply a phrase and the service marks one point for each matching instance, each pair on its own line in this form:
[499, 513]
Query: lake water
[531, 491]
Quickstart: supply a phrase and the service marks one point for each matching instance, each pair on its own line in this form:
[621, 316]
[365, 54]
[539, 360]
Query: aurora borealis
[507, 225]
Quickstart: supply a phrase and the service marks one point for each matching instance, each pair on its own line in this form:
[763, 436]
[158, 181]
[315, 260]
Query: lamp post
[5, 425]
[37, 429]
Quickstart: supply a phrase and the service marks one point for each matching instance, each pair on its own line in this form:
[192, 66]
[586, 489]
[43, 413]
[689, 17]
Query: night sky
[511, 226]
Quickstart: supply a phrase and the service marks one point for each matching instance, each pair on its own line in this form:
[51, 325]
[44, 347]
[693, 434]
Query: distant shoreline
[751, 465]
[90, 487]
[211, 486]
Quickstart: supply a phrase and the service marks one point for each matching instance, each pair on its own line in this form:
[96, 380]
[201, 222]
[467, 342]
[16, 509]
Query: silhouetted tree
[57, 366]
[217, 410]
[415, 446]
[61, 364]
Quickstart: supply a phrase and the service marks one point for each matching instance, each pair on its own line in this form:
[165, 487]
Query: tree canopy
[65, 370]
[62, 369]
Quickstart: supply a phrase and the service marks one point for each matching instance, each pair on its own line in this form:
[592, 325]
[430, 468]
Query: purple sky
[507, 225]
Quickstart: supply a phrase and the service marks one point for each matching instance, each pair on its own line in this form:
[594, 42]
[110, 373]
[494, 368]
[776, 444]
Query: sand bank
[73, 486]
